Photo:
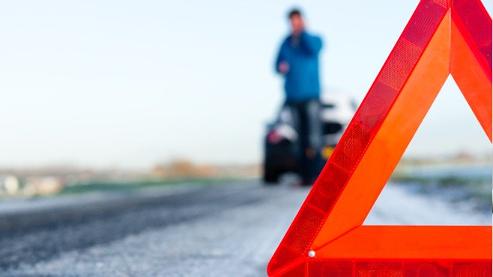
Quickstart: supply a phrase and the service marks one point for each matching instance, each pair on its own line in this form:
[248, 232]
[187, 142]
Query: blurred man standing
[298, 63]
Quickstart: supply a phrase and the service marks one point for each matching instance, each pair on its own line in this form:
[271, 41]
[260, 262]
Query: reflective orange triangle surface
[327, 237]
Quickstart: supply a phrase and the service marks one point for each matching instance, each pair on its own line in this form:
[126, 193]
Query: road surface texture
[223, 230]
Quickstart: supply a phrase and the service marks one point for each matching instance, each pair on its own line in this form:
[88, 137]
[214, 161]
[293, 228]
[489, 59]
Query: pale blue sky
[130, 83]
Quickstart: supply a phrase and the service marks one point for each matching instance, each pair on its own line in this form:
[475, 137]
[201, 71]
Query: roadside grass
[129, 186]
[473, 189]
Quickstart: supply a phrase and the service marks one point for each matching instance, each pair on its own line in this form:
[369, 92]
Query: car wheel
[271, 176]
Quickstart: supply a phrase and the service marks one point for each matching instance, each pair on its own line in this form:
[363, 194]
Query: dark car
[281, 146]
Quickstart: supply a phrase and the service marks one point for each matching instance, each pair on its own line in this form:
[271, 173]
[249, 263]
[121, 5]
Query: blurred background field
[462, 178]
[52, 181]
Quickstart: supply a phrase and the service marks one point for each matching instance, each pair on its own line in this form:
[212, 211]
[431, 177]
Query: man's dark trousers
[306, 115]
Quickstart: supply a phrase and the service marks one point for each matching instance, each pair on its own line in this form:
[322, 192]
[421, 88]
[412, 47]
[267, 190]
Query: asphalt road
[223, 230]
[202, 231]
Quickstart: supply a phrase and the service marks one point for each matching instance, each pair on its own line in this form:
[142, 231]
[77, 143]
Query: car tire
[271, 176]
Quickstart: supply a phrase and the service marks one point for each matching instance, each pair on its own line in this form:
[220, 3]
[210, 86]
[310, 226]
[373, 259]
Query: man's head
[296, 20]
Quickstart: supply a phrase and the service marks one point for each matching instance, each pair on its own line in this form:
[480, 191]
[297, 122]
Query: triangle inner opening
[445, 176]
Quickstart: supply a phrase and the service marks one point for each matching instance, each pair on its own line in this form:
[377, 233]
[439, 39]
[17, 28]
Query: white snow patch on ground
[398, 205]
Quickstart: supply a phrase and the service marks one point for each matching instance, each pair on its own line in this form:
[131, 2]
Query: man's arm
[310, 44]
[281, 66]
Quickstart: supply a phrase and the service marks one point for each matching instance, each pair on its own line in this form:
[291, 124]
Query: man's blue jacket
[302, 81]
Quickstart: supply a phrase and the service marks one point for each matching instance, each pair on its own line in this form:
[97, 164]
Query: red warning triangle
[327, 237]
